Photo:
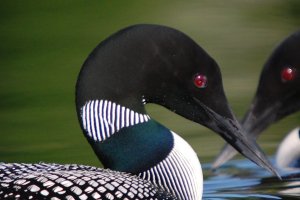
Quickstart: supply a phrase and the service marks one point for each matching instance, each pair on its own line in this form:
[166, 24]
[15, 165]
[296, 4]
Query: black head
[278, 92]
[277, 95]
[156, 64]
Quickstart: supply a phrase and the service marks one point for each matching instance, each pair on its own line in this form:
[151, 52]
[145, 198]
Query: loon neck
[122, 138]
[128, 141]
[101, 119]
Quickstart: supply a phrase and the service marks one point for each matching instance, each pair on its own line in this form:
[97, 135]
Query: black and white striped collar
[102, 118]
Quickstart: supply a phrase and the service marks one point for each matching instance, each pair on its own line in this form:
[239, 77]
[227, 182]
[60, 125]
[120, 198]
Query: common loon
[138, 65]
[277, 95]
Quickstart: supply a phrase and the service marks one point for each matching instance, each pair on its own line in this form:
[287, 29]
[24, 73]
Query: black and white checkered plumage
[53, 181]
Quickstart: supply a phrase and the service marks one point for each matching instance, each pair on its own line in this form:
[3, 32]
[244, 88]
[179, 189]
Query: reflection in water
[241, 179]
[292, 189]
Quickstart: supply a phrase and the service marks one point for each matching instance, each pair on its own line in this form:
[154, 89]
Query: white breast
[180, 173]
[289, 149]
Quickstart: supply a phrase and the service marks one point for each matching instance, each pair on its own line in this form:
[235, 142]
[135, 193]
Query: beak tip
[276, 173]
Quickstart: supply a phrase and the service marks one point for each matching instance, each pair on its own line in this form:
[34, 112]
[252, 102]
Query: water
[241, 179]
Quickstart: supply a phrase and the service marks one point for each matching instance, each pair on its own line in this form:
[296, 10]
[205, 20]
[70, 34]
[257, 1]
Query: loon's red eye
[288, 74]
[200, 81]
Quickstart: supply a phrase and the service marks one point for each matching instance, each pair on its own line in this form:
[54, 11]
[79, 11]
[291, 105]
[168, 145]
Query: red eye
[200, 81]
[288, 74]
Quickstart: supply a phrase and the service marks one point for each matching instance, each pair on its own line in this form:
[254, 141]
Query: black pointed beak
[231, 130]
[254, 122]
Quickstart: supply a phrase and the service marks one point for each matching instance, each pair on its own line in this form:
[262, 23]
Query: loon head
[277, 94]
[151, 64]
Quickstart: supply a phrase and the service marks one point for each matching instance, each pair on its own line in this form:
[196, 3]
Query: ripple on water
[241, 179]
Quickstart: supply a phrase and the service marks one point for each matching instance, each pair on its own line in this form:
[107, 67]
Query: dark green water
[43, 45]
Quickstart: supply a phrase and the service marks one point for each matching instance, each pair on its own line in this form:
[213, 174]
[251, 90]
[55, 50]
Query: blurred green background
[44, 43]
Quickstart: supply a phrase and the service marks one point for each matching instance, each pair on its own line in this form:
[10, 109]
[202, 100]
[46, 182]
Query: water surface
[241, 179]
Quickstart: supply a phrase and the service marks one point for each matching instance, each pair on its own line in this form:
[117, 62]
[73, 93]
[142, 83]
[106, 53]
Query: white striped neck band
[102, 118]
[179, 173]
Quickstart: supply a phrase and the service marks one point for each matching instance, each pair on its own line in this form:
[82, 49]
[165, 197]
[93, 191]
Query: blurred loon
[288, 152]
[137, 65]
[277, 95]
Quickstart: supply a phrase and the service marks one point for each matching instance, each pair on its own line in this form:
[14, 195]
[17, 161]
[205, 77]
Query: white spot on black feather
[48, 184]
[76, 190]
[83, 197]
[109, 196]
[33, 188]
[118, 194]
[69, 197]
[89, 189]
[96, 195]
[67, 183]
[44, 193]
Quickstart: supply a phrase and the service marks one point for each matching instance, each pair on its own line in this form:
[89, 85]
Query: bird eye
[288, 74]
[200, 81]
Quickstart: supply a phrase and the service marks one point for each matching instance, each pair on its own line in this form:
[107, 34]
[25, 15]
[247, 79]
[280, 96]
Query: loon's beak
[254, 122]
[231, 130]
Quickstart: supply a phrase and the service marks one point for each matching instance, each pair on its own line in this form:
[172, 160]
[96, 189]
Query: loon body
[277, 94]
[288, 151]
[54, 181]
[137, 65]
